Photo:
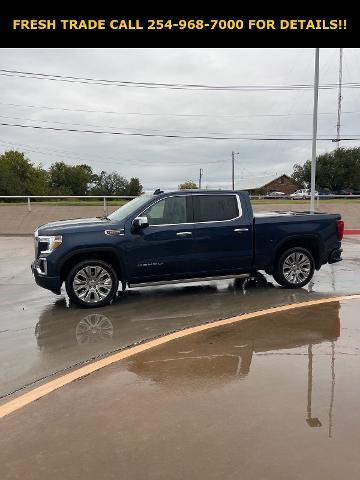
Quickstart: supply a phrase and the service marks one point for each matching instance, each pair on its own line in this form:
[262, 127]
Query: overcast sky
[162, 162]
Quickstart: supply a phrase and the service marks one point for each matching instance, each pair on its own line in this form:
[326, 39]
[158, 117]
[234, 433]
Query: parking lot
[41, 335]
[286, 380]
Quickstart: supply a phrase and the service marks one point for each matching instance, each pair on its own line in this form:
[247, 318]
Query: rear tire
[294, 268]
[92, 284]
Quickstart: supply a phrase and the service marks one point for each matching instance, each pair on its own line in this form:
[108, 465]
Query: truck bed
[288, 213]
[272, 228]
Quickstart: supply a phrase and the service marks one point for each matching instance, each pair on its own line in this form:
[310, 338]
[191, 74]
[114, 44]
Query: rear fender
[310, 241]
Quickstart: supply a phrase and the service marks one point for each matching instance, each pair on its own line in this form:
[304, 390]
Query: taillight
[340, 229]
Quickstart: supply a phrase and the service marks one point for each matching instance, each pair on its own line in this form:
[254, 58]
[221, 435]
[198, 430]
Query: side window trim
[190, 208]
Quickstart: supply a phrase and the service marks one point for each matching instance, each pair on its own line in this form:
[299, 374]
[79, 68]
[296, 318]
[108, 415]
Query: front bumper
[39, 270]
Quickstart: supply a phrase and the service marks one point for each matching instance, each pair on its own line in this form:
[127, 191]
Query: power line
[196, 137]
[171, 86]
[85, 156]
[142, 163]
[152, 114]
[148, 129]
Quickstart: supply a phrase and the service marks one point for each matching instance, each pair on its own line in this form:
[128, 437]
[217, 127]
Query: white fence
[28, 198]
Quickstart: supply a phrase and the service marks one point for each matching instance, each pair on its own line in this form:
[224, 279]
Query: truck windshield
[130, 207]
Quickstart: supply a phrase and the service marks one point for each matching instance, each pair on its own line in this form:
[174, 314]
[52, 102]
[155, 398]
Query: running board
[187, 280]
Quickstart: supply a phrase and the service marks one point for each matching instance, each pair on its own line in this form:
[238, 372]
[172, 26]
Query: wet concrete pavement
[40, 336]
[275, 397]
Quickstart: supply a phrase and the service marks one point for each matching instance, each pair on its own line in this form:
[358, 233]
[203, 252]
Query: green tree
[302, 174]
[109, 184]
[70, 179]
[18, 176]
[134, 188]
[39, 181]
[335, 170]
[188, 185]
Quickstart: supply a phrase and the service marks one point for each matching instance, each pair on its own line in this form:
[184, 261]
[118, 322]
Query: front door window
[169, 211]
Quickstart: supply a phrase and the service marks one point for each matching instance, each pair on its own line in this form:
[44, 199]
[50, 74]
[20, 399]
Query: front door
[223, 237]
[164, 249]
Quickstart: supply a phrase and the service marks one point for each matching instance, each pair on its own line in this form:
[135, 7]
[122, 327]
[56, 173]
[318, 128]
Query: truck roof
[208, 192]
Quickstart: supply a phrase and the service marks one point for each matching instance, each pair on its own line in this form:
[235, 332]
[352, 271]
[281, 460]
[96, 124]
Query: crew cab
[180, 236]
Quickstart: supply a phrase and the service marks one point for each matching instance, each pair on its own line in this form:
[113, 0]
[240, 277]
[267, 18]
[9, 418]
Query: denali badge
[115, 232]
[150, 264]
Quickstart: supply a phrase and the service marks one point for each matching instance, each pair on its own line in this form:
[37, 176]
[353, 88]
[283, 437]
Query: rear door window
[215, 208]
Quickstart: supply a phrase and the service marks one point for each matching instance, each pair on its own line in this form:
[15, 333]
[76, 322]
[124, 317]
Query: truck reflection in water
[138, 315]
[94, 328]
[209, 358]
[229, 351]
[214, 357]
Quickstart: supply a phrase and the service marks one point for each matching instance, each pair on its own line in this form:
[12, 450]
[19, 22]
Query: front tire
[92, 284]
[294, 268]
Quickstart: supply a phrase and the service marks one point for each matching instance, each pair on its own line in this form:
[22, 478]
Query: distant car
[344, 192]
[302, 194]
[275, 195]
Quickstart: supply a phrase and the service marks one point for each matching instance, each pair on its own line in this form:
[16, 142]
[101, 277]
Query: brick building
[266, 185]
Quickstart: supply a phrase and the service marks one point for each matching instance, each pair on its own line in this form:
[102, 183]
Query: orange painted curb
[49, 387]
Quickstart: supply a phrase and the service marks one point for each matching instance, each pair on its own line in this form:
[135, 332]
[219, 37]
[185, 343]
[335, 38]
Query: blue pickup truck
[181, 236]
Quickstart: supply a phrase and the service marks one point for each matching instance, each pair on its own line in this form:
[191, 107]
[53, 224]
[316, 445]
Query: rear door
[223, 234]
[164, 249]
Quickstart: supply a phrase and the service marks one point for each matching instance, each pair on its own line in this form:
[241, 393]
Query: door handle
[183, 234]
[240, 230]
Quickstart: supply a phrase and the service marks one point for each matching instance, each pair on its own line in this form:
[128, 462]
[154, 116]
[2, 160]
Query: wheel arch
[109, 255]
[312, 243]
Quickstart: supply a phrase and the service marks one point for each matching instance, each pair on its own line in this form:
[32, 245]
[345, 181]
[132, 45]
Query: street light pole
[310, 420]
[315, 116]
[233, 168]
[338, 125]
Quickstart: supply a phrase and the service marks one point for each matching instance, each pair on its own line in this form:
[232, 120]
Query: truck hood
[75, 225]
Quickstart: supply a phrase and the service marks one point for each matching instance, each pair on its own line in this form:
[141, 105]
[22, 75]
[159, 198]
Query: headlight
[48, 244]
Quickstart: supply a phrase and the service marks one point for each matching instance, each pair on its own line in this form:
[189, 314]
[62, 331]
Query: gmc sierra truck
[182, 236]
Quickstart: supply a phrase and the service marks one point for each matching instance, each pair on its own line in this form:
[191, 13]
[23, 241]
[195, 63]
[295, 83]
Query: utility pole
[332, 395]
[338, 125]
[310, 420]
[200, 177]
[315, 118]
[233, 168]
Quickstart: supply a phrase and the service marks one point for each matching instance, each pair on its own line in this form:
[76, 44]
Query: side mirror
[140, 222]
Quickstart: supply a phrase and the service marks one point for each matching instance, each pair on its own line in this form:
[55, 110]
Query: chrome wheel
[94, 328]
[296, 267]
[92, 284]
